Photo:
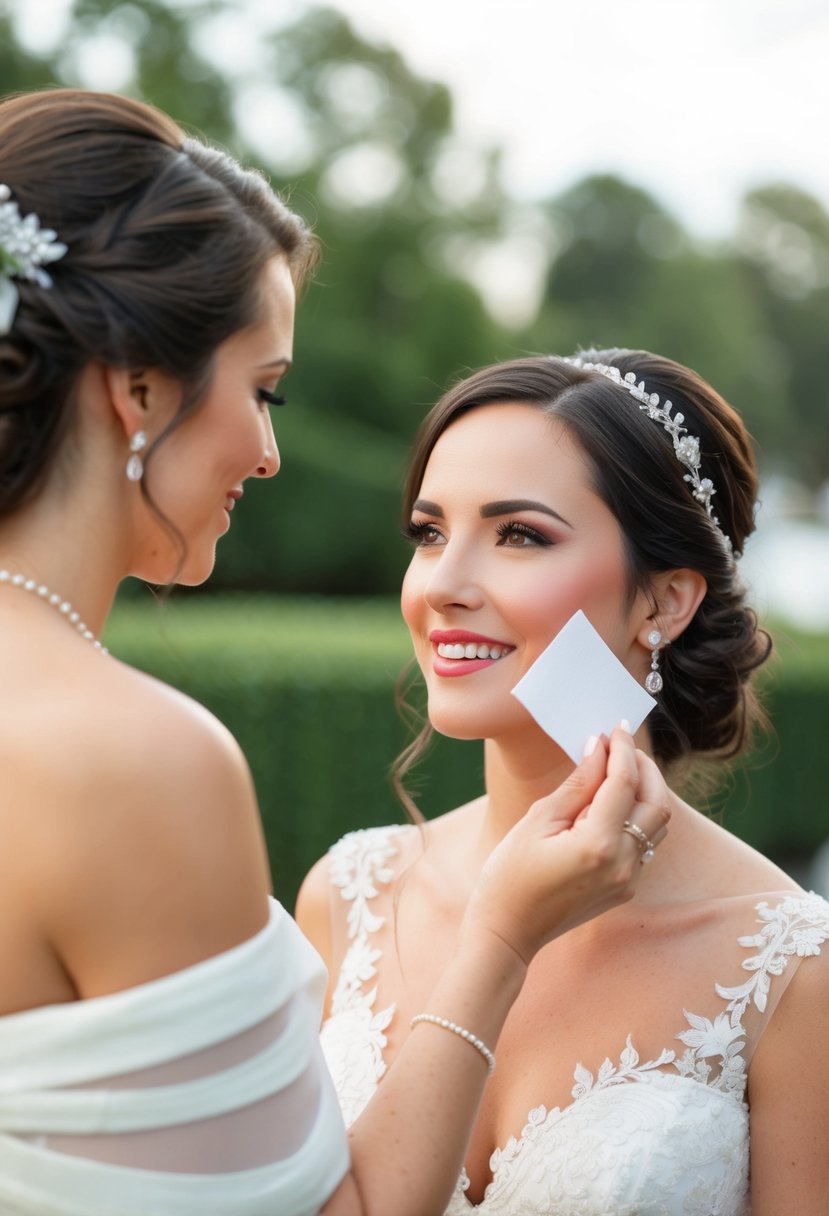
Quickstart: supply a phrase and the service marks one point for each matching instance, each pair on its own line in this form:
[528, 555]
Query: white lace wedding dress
[659, 1132]
[202, 1093]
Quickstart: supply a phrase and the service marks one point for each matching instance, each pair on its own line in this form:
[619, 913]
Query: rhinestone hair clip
[686, 447]
[25, 248]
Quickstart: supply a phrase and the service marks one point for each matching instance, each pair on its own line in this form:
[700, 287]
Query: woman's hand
[570, 859]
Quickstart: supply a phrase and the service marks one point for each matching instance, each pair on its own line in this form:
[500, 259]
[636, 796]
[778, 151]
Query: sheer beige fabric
[635, 1102]
[201, 1092]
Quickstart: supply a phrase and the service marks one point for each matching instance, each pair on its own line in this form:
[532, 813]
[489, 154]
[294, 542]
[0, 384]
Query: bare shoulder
[156, 747]
[155, 857]
[708, 861]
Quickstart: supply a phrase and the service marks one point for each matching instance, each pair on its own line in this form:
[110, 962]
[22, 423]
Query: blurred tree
[783, 238]
[628, 275]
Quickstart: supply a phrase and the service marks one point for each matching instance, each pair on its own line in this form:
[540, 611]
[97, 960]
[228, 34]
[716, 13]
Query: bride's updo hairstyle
[707, 705]
[166, 239]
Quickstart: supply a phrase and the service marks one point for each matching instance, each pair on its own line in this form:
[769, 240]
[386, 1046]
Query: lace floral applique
[708, 1040]
[359, 861]
[359, 867]
[628, 1069]
[799, 925]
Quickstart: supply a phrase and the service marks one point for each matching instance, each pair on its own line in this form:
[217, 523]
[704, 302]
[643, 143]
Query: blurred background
[486, 181]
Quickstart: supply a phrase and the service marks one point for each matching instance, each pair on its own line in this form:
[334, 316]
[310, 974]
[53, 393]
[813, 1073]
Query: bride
[158, 1013]
[652, 1047]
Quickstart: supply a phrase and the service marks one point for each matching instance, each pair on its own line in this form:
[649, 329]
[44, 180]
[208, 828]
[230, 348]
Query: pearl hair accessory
[51, 597]
[469, 1037]
[686, 447]
[653, 680]
[135, 465]
[24, 248]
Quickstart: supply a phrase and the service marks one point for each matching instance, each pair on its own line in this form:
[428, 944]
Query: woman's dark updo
[707, 705]
[167, 240]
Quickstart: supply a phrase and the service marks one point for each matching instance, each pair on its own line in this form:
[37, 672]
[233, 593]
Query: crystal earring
[135, 465]
[653, 680]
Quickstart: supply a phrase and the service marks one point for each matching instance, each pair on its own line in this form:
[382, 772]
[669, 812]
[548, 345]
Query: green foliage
[628, 276]
[307, 687]
[784, 235]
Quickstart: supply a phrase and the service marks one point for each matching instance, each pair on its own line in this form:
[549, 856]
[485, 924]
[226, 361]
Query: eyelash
[416, 532]
[511, 526]
[266, 397]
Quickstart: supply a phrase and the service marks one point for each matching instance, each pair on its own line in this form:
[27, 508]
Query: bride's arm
[566, 861]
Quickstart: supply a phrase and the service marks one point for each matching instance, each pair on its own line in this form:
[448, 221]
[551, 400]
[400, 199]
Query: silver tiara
[686, 447]
[25, 248]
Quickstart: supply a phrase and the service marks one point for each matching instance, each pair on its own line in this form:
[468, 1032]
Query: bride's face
[510, 540]
[197, 475]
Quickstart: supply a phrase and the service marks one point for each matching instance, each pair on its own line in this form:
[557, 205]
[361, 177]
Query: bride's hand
[569, 858]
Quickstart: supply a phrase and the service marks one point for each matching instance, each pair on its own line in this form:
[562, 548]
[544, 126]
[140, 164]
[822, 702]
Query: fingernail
[625, 725]
[590, 746]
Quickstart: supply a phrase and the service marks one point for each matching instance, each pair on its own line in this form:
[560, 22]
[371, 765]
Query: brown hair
[167, 239]
[707, 706]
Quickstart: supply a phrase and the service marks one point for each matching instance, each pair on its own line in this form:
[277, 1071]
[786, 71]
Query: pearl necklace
[63, 606]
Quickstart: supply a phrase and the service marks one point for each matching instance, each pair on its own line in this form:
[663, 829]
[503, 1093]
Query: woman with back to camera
[158, 1016]
[652, 1047]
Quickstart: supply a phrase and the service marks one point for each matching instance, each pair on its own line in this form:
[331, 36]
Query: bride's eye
[268, 398]
[422, 534]
[516, 535]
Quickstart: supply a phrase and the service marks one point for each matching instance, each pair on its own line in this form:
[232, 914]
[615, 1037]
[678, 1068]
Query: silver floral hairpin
[686, 447]
[25, 248]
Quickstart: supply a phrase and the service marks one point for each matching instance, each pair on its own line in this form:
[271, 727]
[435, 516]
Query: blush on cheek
[409, 600]
[593, 589]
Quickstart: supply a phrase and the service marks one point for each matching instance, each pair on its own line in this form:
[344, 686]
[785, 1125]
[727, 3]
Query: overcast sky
[697, 100]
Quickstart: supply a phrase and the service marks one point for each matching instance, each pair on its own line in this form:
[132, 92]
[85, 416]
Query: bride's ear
[678, 594]
[141, 399]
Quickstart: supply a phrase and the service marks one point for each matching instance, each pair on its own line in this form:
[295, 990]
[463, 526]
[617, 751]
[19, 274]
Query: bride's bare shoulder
[702, 859]
[130, 797]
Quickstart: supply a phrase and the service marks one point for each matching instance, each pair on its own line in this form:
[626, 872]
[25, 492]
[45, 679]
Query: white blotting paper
[577, 688]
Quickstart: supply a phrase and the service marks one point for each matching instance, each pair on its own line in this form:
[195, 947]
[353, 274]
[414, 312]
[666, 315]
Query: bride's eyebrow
[509, 506]
[428, 508]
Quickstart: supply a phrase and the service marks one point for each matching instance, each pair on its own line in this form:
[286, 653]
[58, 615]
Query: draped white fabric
[201, 1092]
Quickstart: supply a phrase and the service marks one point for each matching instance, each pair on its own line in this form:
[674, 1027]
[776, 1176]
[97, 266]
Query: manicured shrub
[307, 687]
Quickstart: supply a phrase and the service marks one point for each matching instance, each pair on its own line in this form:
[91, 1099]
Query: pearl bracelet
[470, 1038]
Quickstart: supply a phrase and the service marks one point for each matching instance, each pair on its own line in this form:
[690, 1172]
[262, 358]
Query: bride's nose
[270, 461]
[454, 581]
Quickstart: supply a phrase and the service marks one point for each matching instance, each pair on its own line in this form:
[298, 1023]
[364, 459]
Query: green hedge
[307, 687]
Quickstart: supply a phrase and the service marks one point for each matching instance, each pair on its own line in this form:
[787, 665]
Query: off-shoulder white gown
[656, 1123]
[199, 1094]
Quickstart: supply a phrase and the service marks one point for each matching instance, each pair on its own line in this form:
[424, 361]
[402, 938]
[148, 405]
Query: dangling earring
[653, 680]
[135, 465]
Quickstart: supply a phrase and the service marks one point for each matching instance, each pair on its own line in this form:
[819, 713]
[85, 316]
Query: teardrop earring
[135, 465]
[653, 680]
